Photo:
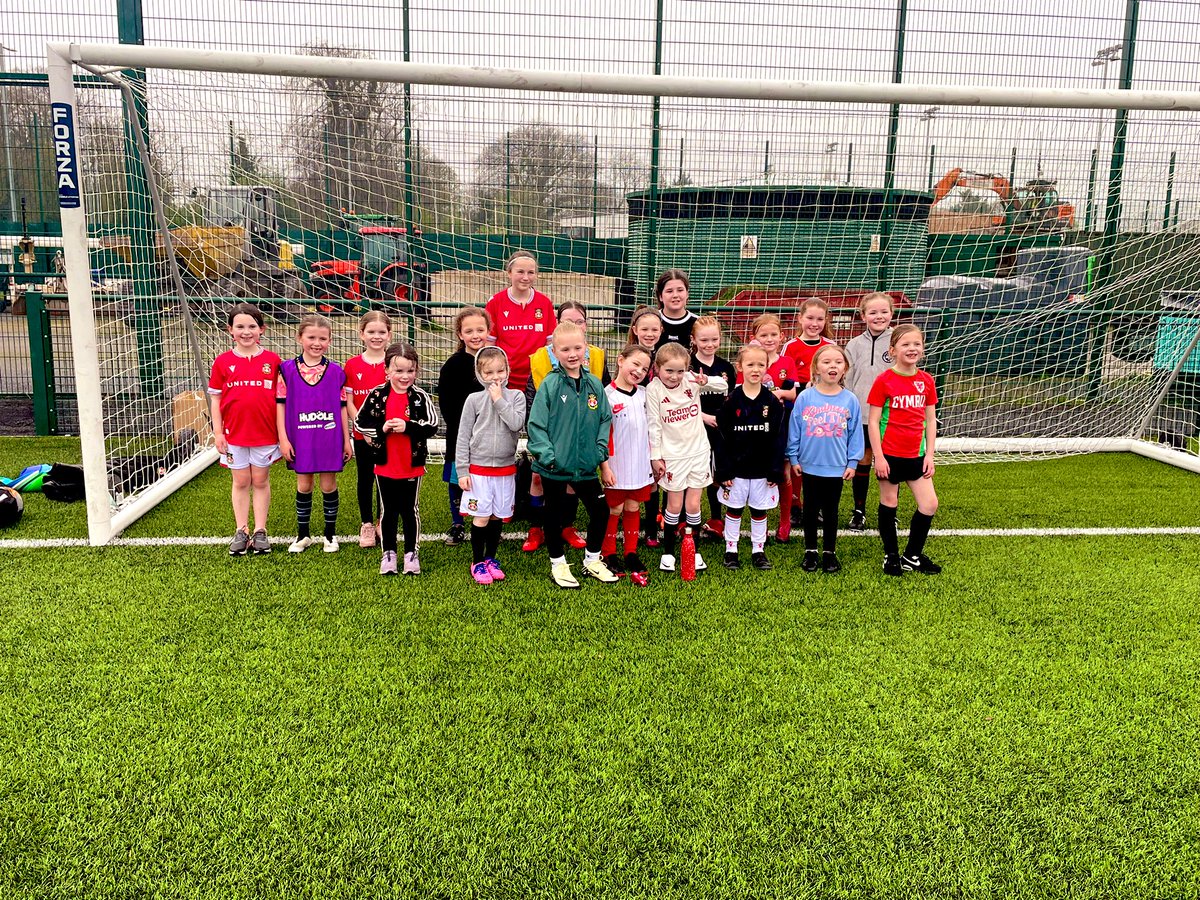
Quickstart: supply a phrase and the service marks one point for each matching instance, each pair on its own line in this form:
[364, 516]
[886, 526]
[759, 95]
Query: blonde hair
[872, 297]
[900, 331]
[669, 351]
[751, 348]
[314, 320]
[487, 353]
[821, 351]
[508, 263]
[565, 330]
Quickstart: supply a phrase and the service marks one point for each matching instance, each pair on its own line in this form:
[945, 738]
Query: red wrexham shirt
[803, 354]
[904, 399]
[246, 386]
[520, 331]
[361, 378]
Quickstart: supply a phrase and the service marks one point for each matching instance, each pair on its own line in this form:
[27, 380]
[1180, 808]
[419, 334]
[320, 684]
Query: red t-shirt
[246, 385]
[399, 447]
[520, 331]
[904, 399]
[362, 377]
[783, 369]
[803, 354]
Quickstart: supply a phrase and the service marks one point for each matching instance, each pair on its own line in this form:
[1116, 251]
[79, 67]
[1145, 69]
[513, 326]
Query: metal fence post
[41, 363]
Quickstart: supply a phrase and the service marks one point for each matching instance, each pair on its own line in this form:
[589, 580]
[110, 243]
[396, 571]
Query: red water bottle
[687, 556]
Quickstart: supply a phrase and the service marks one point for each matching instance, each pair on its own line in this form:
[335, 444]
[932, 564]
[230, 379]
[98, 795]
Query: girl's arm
[347, 443]
[854, 448]
[427, 425]
[882, 469]
[537, 431]
[369, 424]
[511, 408]
[285, 446]
[462, 452]
[714, 384]
[930, 439]
[218, 424]
[795, 434]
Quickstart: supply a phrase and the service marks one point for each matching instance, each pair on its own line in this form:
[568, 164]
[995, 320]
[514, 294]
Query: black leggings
[591, 494]
[821, 494]
[400, 502]
[365, 457]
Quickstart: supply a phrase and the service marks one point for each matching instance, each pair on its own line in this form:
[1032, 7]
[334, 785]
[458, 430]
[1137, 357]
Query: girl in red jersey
[242, 392]
[364, 373]
[813, 330]
[521, 317]
[903, 430]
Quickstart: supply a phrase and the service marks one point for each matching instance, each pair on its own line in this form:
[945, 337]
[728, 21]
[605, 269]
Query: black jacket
[422, 421]
[753, 437]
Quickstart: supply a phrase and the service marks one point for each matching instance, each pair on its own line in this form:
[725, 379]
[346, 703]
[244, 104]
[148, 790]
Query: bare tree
[531, 178]
[349, 156]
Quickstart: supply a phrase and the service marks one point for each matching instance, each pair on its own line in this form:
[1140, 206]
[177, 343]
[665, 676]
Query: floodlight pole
[8, 161]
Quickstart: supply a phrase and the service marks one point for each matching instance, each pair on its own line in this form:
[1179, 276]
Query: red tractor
[385, 276]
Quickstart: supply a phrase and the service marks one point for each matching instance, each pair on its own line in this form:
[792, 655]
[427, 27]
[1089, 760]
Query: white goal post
[1000, 402]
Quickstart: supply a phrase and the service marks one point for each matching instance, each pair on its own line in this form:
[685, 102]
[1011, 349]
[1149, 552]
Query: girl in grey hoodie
[485, 459]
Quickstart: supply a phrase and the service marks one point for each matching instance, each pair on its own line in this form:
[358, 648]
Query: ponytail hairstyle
[827, 331]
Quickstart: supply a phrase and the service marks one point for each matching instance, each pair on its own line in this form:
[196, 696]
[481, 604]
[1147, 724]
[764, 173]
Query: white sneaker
[331, 545]
[562, 576]
[701, 565]
[412, 563]
[598, 570]
[667, 563]
[301, 544]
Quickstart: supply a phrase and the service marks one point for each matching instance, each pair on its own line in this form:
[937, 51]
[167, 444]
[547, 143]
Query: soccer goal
[1047, 241]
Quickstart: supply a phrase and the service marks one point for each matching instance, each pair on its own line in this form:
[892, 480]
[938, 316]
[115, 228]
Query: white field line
[351, 540]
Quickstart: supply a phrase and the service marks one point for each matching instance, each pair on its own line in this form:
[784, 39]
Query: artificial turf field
[177, 723]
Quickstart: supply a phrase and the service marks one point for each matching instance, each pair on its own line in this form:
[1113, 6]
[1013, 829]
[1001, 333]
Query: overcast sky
[987, 42]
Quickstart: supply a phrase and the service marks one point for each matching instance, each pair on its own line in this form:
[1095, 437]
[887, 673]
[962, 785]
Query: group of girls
[783, 427]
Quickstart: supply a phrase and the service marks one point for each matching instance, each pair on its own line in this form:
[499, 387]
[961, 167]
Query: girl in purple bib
[314, 431]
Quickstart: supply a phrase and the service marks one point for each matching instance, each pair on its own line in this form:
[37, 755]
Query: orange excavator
[974, 201]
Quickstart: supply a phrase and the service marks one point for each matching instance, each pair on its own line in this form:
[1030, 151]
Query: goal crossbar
[280, 64]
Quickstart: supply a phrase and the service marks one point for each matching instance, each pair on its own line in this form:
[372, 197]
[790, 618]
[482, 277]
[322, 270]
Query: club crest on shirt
[687, 392]
[593, 401]
[887, 357]
[537, 314]
[765, 411]
[472, 504]
[920, 386]
[266, 368]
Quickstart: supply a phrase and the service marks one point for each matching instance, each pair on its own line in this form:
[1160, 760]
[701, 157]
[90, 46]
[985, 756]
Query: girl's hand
[607, 476]
[396, 425]
[222, 445]
[347, 451]
[288, 451]
[796, 470]
[927, 471]
[493, 390]
[465, 482]
[710, 421]
[882, 469]
[699, 377]
[848, 474]
[659, 468]
[727, 484]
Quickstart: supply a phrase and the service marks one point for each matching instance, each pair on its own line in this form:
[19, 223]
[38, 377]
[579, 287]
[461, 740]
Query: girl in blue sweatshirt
[825, 443]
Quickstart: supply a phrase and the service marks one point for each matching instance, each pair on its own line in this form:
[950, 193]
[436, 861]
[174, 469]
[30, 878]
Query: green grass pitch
[179, 724]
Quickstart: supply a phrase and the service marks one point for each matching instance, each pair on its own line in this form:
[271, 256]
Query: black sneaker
[829, 563]
[812, 561]
[613, 561]
[759, 561]
[731, 561]
[633, 563]
[891, 565]
[858, 521]
[797, 517]
[922, 564]
[456, 535]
